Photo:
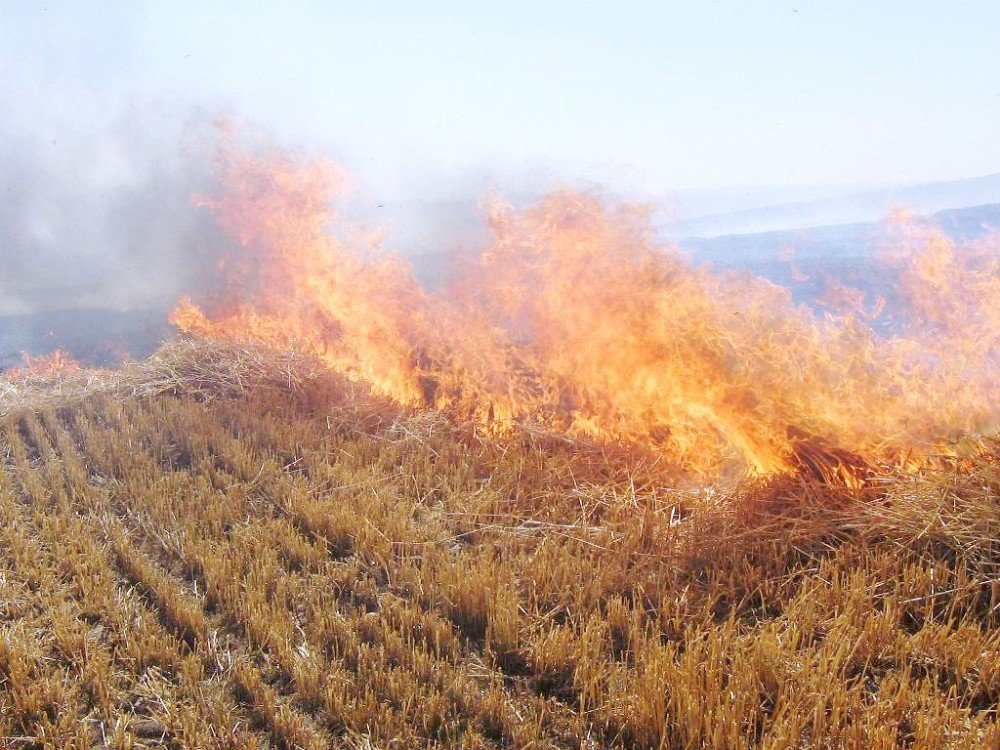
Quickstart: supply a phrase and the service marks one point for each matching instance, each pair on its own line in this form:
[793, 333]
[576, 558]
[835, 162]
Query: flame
[576, 318]
[43, 365]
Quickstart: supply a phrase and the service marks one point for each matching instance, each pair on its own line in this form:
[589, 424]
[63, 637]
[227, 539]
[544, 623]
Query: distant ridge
[802, 259]
[861, 206]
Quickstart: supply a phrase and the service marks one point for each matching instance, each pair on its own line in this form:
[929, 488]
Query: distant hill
[852, 207]
[803, 259]
[827, 244]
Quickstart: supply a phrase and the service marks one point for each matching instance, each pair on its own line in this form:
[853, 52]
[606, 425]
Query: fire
[43, 364]
[576, 318]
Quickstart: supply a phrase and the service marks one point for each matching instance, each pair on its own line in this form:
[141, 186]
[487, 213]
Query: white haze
[104, 126]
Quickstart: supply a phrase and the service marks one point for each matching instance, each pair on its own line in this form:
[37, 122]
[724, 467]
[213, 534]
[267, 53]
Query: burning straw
[575, 319]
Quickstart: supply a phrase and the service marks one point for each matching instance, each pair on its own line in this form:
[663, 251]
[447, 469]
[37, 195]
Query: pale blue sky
[647, 96]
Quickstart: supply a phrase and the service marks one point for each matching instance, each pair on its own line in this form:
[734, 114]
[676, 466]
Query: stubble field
[318, 569]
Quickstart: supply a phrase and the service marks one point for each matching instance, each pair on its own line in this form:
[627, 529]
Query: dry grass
[206, 558]
[190, 366]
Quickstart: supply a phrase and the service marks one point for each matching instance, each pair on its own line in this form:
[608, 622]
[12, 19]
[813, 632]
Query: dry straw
[186, 366]
[326, 570]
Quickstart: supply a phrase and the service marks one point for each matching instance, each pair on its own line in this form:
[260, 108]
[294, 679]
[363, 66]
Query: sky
[106, 105]
[654, 95]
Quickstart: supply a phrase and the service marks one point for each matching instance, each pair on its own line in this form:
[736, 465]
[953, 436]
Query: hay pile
[191, 366]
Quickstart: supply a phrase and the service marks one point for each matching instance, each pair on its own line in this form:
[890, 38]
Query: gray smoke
[106, 221]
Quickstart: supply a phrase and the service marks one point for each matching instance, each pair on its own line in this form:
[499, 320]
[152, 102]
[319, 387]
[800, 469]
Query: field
[314, 568]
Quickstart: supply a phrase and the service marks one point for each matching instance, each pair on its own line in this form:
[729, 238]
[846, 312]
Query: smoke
[96, 173]
[105, 221]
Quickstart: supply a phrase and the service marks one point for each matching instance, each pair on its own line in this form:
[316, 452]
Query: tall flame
[577, 318]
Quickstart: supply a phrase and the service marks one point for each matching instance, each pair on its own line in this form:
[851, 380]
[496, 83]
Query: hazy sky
[645, 96]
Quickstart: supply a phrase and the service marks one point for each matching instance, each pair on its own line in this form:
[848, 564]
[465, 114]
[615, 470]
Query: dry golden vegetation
[294, 564]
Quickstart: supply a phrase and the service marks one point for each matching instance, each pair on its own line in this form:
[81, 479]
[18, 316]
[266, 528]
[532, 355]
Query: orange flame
[576, 318]
[43, 364]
